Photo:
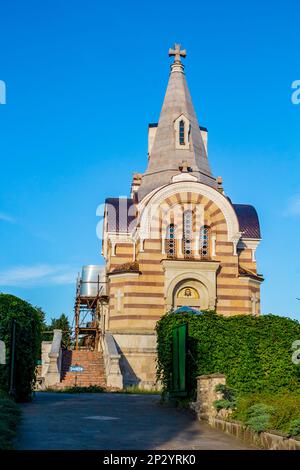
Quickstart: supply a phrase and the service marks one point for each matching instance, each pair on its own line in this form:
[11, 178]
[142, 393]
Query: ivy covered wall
[255, 353]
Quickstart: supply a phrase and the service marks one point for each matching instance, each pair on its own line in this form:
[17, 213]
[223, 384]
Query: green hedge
[10, 416]
[255, 353]
[28, 339]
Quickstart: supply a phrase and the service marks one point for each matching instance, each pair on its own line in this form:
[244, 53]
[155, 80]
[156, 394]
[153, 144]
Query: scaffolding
[90, 313]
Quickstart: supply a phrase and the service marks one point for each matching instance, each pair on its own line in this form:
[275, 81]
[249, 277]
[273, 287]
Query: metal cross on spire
[177, 52]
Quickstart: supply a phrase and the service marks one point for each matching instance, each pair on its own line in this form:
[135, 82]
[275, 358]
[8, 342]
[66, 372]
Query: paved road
[113, 421]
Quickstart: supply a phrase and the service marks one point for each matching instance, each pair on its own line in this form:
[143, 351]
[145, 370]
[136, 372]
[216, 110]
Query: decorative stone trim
[117, 275]
[158, 196]
[115, 238]
[183, 177]
[186, 122]
[131, 267]
[249, 243]
[179, 271]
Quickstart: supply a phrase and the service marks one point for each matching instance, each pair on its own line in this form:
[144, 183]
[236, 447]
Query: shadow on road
[113, 421]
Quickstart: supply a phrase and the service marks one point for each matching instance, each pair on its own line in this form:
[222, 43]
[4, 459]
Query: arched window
[187, 233]
[181, 132]
[171, 241]
[204, 241]
[182, 128]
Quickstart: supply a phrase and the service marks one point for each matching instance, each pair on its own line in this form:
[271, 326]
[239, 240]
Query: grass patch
[280, 412]
[136, 390]
[10, 416]
[96, 389]
[89, 389]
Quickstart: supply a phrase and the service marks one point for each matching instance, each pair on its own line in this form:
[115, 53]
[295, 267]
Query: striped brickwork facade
[137, 299]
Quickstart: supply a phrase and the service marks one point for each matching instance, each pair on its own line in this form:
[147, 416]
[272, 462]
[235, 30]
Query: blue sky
[83, 81]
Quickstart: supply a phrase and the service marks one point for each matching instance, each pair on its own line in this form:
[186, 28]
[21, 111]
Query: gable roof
[243, 272]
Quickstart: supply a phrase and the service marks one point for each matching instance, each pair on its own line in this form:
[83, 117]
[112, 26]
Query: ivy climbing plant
[255, 353]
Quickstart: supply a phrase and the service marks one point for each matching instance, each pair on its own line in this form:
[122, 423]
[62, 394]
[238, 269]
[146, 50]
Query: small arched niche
[190, 293]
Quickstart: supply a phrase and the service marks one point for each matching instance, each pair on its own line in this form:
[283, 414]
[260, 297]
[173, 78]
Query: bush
[259, 417]
[28, 339]
[283, 410]
[223, 404]
[260, 409]
[259, 423]
[9, 418]
[228, 401]
[294, 428]
[227, 393]
[253, 352]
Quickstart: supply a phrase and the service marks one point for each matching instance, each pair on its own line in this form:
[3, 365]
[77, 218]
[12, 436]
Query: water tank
[89, 280]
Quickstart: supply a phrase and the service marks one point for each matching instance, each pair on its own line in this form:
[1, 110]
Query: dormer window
[181, 133]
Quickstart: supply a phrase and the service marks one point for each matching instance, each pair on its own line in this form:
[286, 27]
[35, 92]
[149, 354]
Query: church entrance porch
[190, 283]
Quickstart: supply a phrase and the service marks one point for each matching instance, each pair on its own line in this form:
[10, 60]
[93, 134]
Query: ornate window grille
[204, 241]
[187, 233]
[181, 133]
[171, 241]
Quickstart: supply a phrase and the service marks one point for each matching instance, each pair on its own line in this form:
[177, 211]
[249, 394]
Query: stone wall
[111, 357]
[206, 395]
[265, 440]
[138, 358]
[51, 362]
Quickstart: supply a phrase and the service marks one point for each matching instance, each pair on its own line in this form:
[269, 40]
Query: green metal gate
[179, 352]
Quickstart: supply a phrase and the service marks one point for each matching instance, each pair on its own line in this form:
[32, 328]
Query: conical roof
[166, 154]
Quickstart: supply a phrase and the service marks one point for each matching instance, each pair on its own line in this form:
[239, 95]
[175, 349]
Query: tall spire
[178, 137]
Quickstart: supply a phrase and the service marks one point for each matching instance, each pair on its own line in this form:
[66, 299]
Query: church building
[178, 240]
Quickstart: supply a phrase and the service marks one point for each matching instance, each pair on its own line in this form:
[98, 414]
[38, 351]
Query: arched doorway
[191, 293]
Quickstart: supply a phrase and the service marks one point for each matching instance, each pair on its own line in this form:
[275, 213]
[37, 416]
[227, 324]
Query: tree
[62, 323]
[28, 326]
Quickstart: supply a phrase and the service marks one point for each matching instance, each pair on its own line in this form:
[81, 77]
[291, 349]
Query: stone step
[87, 380]
[82, 379]
[86, 370]
[93, 369]
[85, 366]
